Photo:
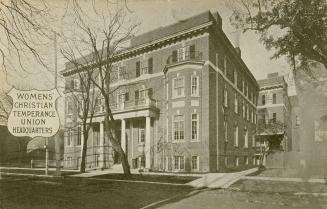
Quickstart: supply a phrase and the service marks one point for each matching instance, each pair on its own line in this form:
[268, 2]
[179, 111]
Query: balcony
[186, 56]
[129, 106]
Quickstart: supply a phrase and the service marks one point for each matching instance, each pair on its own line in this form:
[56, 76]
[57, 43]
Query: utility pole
[57, 136]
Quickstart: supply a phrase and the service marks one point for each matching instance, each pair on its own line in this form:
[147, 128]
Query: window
[79, 134]
[97, 160]
[243, 108]
[246, 160]
[246, 138]
[297, 119]
[264, 119]
[263, 99]
[122, 98]
[178, 125]
[195, 127]
[137, 68]
[226, 160]
[69, 140]
[225, 131]
[178, 84]
[274, 98]
[235, 77]
[179, 163]
[235, 103]
[225, 97]
[236, 161]
[247, 112]
[195, 162]
[243, 87]
[121, 72]
[252, 116]
[150, 65]
[76, 84]
[247, 89]
[274, 117]
[225, 65]
[194, 85]
[221, 62]
[190, 52]
[141, 136]
[69, 107]
[69, 162]
[236, 136]
[174, 56]
[253, 140]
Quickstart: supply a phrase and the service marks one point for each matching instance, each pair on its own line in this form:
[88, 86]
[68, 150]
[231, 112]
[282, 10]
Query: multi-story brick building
[189, 106]
[274, 114]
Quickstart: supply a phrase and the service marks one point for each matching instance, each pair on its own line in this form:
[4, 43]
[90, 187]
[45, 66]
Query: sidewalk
[284, 179]
[220, 180]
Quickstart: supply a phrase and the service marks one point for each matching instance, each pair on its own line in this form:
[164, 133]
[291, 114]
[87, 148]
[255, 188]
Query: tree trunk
[122, 156]
[117, 147]
[83, 160]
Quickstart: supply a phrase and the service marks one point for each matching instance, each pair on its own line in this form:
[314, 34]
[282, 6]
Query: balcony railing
[185, 56]
[128, 105]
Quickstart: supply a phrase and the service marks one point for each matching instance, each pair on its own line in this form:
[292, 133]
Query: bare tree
[104, 37]
[5, 106]
[82, 91]
[22, 30]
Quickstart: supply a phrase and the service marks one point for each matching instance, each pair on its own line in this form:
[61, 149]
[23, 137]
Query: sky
[153, 14]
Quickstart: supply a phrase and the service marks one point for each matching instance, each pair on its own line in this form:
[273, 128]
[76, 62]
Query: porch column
[123, 135]
[147, 142]
[101, 163]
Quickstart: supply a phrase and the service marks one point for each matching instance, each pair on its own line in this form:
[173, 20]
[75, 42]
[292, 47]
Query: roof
[173, 28]
[160, 33]
[273, 81]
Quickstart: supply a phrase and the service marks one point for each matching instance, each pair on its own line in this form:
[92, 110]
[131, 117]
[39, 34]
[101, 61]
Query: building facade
[274, 115]
[189, 106]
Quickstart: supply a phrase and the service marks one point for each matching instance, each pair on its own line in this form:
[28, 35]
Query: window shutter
[72, 84]
[174, 56]
[138, 68]
[150, 65]
[126, 96]
[192, 51]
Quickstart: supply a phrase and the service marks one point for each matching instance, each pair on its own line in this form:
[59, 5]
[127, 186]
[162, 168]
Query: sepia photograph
[168, 104]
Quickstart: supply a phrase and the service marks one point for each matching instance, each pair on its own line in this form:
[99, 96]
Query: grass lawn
[152, 178]
[88, 193]
[292, 173]
[82, 193]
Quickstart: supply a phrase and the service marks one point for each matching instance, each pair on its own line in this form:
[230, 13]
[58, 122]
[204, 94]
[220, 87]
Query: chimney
[272, 75]
[218, 19]
[238, 51]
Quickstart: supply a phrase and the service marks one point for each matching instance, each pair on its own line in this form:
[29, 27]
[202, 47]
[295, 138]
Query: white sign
[33, 113]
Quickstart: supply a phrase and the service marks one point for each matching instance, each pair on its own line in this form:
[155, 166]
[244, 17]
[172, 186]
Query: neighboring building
[13, 149]
[189, 106]
[274, 115]
[312, 114]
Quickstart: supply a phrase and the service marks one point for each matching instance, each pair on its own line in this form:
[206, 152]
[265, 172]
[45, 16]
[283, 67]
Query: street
[85, 193]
